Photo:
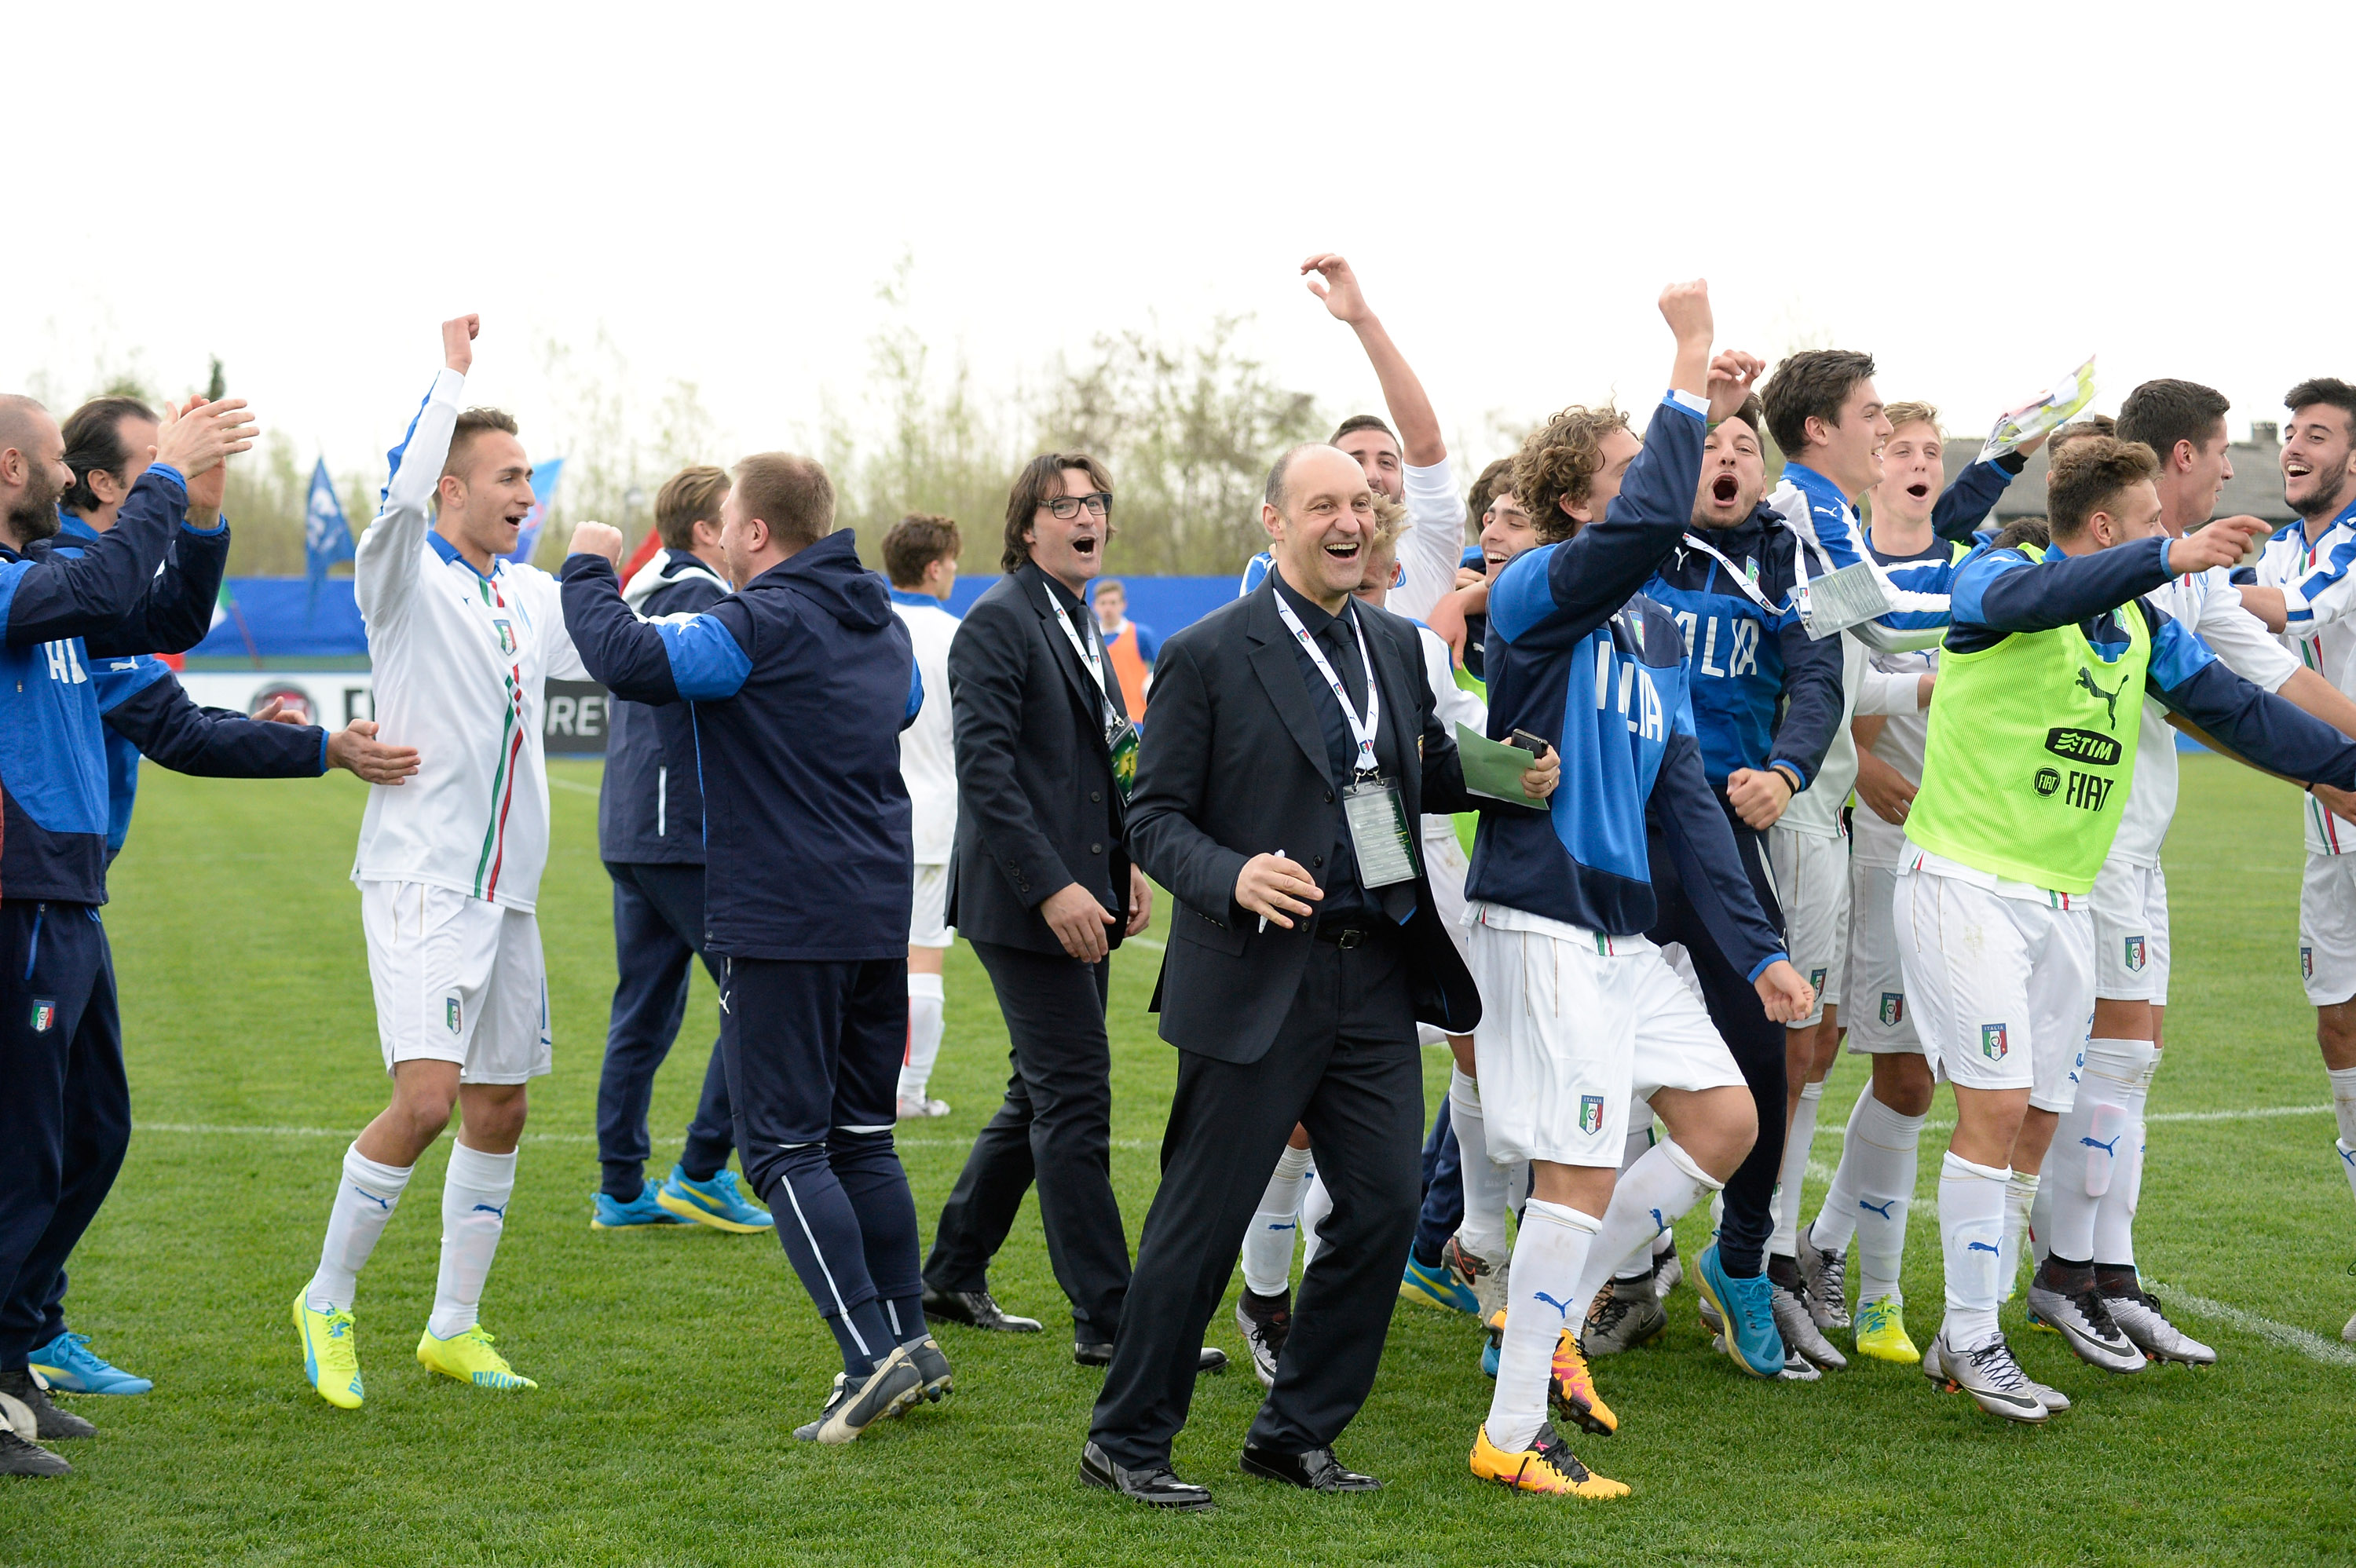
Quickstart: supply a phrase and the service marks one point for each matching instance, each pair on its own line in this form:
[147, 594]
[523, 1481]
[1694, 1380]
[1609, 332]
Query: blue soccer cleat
[1438, 1287]
[719, 1202]
[608, 1215]
[68, 1364]
[1747, 1309]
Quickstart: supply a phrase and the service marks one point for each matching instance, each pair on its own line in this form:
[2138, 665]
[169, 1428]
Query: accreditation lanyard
[1121, 735]
[1747, 581]
[1371, 805]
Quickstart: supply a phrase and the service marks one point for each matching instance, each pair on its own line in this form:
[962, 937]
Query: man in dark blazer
[1292, 987]
[1041, 884]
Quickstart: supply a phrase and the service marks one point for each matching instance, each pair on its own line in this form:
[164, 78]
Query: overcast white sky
[306, 190]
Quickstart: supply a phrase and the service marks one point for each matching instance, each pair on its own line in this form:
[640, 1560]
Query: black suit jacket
[1037, 810]
[1234, 765]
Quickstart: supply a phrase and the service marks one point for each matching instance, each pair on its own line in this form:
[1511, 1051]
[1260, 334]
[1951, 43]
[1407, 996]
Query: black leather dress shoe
[1315, 1471]
[1157, 1487]
[975, 1309]
[1213, 1359]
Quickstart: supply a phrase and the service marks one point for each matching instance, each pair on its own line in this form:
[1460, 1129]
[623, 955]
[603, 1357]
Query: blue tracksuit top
[650, 804]
[1765, 694]
[799, 684]
[67, 603]
[1574, 659]
[1817, 502]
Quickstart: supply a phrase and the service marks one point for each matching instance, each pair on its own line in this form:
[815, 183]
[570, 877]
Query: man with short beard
[64, 606]
[2310, 562]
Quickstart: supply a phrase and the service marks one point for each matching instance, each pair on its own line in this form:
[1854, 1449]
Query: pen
[1263, 920]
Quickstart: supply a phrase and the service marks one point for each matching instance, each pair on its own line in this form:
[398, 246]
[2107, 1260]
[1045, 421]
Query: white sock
[1267, 1246]
[1793, 1177]
[1836, 1220]
[2095, 1140]
[1971, 1233]
[1482, 1229]
[923, 1035]
[364, 1201]
[1549, 1256]
[2019, 1195]
[1885, 1151]
[2115, 1214]
[1634, 1147]
[1651, 1196]
[474, 1196]
[1316, 1202]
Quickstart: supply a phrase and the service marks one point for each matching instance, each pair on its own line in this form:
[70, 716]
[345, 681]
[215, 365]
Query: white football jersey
[1901, 744]
[460, 662]
[927, 752]
[2318, 590]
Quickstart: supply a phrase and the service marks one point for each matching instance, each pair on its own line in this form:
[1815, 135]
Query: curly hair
[1558, 463]
[2088, 476]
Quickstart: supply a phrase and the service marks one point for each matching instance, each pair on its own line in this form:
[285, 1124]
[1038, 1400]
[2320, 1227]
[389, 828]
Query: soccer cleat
[1570, 1389]
[22, 1387]
[68, 1364]
[1489, 1279]
[2078, 1315]
[1265, 1320]
[2052, 1399]
[933, 1367]
[1881, 1331]
[922, 1109]
[1667, 1272]
[1803, 1341]
[1495, 1330]
[331, 1356]
[1747, 1312]
[1436, 1286]
[1989, 1375]
[1548, 1465]
[719, 1202]
[22, 1456]
[1624, 1314]
[2148, 1329]
[853, 1407]
[1824, 1274]
[469, 1358]
[606, 1213]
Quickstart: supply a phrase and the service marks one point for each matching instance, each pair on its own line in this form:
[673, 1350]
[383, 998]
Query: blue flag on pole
[326, 535]
[544, 477]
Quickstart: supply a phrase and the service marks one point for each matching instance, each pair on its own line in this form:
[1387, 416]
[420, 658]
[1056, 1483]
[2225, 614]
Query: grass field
[674, 1363]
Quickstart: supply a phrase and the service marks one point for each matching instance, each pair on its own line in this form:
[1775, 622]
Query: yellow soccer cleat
[1571, 1389]
[1546, 1465]
[469, 1358]
[1881, 1331]
[331, 1356]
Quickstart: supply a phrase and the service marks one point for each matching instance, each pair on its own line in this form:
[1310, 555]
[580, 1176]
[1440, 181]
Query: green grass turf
[675, 1363]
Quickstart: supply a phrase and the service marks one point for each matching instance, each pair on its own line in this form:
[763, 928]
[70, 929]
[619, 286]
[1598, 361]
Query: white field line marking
[1141, 942]
[2260, 1113]
[2314, 1347]
[571, 785]
[210, 1129]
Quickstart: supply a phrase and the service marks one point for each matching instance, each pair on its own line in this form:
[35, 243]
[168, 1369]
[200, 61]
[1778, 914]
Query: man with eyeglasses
[1041, 884]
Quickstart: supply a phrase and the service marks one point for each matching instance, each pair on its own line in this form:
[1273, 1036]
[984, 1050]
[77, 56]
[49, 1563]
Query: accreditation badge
[1120, 739]
[1378, 832]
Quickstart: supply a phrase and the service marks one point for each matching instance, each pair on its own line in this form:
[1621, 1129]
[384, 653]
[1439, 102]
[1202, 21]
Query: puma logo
[1660, 1226]
[2110, 698]
[1882, 1208]
[383, 1203]
[1980, 1247]
[500, 1214]
[2111, 1149]
[1561, 1310]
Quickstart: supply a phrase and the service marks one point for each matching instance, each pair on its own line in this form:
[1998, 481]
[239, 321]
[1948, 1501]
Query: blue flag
[543, 495]
[326, 535]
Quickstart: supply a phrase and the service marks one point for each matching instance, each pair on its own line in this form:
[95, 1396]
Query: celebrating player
[463, 643]
[920, 559]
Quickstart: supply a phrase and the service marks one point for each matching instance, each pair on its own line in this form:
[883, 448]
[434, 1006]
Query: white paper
[2058, 407]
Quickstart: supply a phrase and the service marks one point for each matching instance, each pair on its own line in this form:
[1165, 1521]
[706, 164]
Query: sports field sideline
[674, 1363]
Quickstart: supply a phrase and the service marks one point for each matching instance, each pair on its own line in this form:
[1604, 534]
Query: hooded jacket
[651, 806]
[797, 687]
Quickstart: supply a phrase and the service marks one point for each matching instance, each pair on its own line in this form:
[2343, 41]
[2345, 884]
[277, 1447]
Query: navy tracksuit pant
[65, 1106]
[657, 933]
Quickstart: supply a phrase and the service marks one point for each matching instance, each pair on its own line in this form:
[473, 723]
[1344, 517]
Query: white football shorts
[928, 916]
[1574, 1026]
[1445, 865]
[457, 979]
[1811, 871]
[2002, 989]
[2327, 929]
[2131, 934]
[1879, 1020]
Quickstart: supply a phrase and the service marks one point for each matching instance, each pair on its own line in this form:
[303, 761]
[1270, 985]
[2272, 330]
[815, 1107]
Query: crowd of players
[1925, 828]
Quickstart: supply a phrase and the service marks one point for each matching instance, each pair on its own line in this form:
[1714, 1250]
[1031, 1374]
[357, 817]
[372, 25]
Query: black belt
[1345, 935]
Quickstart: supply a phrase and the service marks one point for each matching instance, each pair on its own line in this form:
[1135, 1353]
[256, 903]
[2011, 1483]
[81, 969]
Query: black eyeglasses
[1068, 506]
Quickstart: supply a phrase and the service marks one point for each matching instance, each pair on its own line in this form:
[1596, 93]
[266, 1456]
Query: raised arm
[1419, 428]
[181, 601]
[95, 591]
[1972, 494]
[679, 658]
[2250, 721]
[386, 561]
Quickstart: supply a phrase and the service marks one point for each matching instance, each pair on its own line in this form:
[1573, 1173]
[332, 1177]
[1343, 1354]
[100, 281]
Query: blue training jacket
[1574, 659]
[65, 603]
[650, 804]
[799, 684]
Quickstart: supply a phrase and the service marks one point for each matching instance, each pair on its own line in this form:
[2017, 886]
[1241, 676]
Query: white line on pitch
[2314, 1347]
[1148, 942]
[555, 782]
[2256, 1114]
[212, 1129]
